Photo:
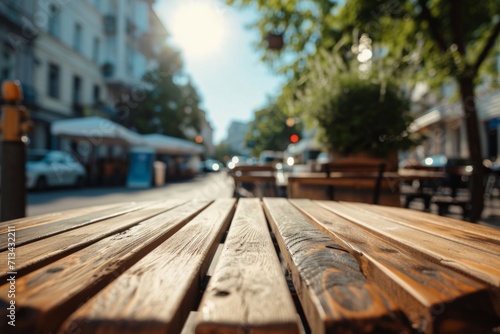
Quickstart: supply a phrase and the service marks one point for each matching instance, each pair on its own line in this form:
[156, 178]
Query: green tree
[165, 105]
[440, 39]
[223, 152]
[269, 130]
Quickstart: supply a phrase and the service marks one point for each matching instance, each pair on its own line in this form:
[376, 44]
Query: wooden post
[14, 125]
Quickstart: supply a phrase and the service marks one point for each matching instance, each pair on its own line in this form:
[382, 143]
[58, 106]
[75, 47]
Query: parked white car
[52, 169]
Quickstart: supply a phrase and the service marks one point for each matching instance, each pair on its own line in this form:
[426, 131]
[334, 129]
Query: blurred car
[46, 168]
[211, 165]
[239, 160]
[440, 160]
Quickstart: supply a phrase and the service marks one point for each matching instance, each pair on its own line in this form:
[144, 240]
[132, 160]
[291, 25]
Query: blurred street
[208, 186]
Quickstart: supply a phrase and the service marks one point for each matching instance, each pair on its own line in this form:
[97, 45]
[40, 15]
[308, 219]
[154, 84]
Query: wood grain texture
[42, 231]
[460, 257]
[334, 294]
[45, 297]
[484, 243]
[27, 222]
[158, 292]
[434, 298]
[475, 230]
[248, 292]
[41, 252]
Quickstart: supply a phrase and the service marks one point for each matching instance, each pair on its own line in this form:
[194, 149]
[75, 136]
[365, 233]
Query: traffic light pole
[14, 125]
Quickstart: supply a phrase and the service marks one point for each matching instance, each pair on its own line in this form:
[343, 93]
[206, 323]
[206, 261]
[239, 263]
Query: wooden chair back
[357, 169]
[260, 179]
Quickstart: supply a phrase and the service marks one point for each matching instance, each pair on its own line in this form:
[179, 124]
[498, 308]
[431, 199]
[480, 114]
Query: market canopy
[102, 131]
[97, 131]
[171, 145]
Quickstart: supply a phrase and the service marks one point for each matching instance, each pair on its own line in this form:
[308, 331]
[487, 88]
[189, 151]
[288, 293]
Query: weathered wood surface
[41, 252]
[157, 293]
[248, 292]
[27, 222]
[434, 298]
[334, 294]
[462, 232]
[45, 297]
[42, 231]
[458, 256]
[452, 225]
[355, 267]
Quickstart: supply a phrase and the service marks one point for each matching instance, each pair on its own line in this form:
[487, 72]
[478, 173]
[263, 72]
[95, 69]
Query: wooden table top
[213, 267]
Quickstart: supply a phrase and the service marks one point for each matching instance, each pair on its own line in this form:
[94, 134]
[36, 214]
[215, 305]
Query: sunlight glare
[199, 28]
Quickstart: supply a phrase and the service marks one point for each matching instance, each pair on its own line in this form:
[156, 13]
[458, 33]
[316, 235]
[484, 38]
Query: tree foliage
[433, 39]
[165, 105]
[362, 116]
[269, 130]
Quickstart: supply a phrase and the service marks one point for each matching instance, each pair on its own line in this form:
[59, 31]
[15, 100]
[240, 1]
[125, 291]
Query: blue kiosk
[140, 173]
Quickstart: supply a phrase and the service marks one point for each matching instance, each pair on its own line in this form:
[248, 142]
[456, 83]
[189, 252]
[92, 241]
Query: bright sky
[219, 56]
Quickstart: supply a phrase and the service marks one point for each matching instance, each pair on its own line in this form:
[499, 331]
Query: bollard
[15, 123]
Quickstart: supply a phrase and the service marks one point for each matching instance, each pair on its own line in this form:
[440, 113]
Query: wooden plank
[41, 252]
[460, 257]
[215, 260]
[248, 292]
[334, 294]
[190, 324]
[38, 232]
[475, 230]
[158, 292]
[27, 222]
[434, 298]
[45, 297]
[490, 243]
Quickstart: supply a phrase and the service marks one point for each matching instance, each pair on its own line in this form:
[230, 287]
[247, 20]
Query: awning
[96, 130]
[427, 119]
[171, 145]
[102, 131]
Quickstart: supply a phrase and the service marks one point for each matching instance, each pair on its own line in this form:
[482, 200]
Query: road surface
[210, 186]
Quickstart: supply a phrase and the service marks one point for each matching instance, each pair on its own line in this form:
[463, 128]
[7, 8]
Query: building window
[77, 90]
[54, 81]
[77, 38]
[54, 19]
[97, 93]
[96, 50]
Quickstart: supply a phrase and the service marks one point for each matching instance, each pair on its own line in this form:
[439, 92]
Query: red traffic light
[294, 138]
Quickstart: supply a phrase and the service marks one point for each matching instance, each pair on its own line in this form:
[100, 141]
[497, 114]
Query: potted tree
[356, 114]
[360, 117]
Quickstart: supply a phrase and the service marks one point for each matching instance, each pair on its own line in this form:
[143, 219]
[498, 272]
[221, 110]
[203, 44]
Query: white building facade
[89, 55]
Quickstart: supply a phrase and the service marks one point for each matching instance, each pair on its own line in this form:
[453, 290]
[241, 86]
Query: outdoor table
[214, 267]
[358, 187]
